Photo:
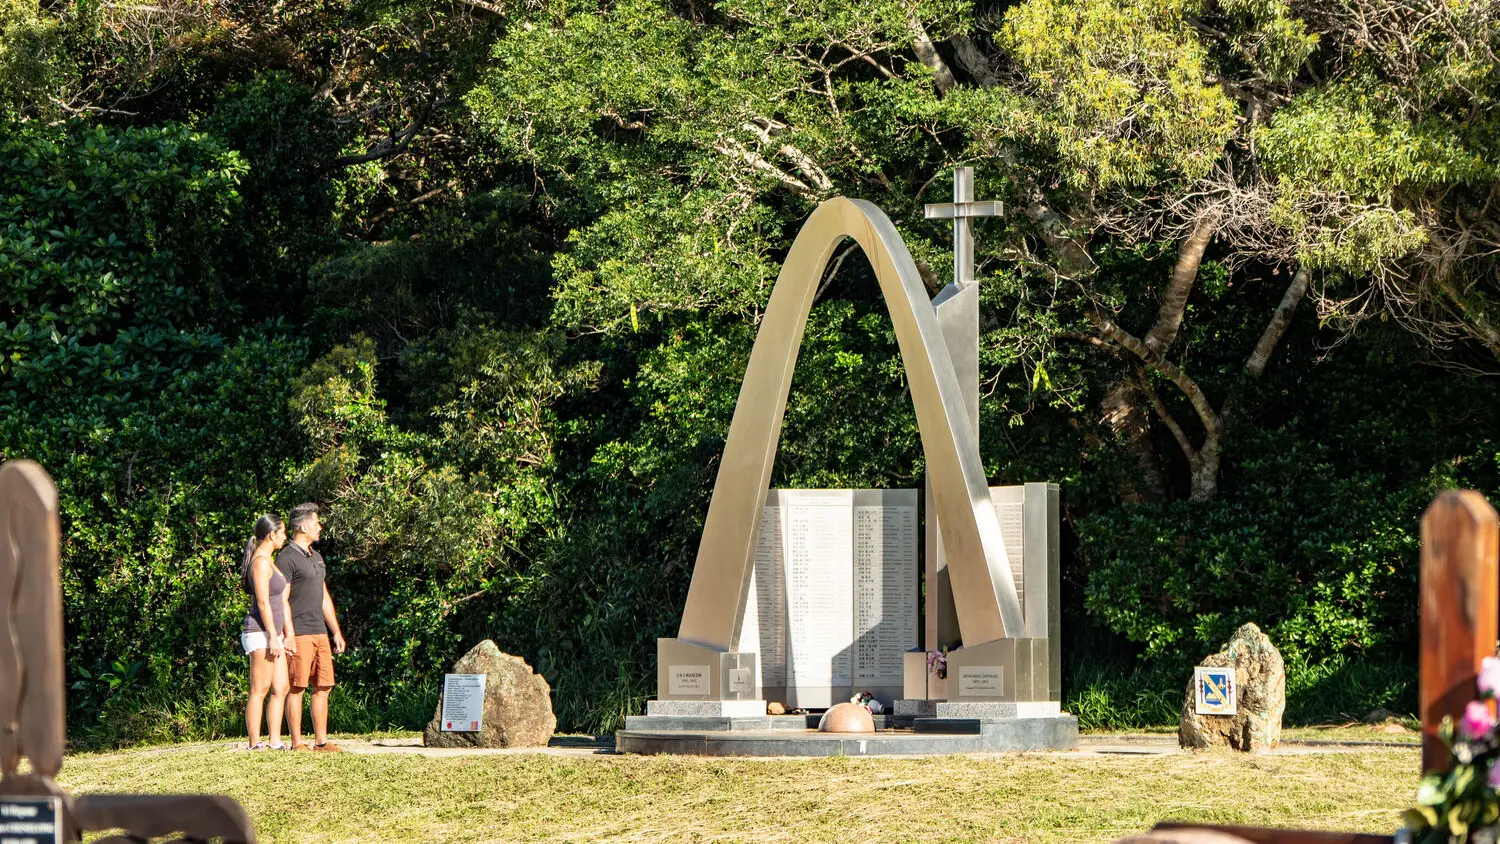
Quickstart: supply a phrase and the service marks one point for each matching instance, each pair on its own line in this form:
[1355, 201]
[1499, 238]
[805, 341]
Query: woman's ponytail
[264, 527]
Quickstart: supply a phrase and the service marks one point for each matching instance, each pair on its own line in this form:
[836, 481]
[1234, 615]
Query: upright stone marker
[1459, 582]
[502, 703]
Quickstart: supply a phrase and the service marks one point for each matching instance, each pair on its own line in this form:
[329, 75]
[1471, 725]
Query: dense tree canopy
[482, 278]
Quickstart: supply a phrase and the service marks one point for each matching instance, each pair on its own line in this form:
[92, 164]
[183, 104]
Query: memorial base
[706, 708]
[796, 735]
[915, 708]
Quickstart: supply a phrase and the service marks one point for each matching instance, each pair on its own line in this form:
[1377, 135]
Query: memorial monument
[808, 596]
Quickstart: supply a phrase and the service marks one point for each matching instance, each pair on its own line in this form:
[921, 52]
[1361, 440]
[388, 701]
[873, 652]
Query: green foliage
[1317, 540]
[29, 58]
[1348, 140]
[484, 285]
[156, 506]
[107, 241]
[287, 138]
[1124, 97]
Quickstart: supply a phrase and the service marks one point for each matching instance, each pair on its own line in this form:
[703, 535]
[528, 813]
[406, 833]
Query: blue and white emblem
[1215, 691]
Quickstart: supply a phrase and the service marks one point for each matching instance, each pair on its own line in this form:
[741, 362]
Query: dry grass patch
[1022, 798]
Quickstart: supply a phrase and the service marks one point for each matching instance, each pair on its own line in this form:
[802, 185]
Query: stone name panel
[832, 604]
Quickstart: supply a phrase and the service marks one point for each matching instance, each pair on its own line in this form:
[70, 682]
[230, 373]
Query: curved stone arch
[983, 589]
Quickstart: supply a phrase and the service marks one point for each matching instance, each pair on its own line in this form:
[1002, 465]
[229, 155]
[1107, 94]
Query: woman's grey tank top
[253, 622]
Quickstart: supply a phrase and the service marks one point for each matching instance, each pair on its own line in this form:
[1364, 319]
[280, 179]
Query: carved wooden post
[31, 657]
[31, 686]
[1459, 583]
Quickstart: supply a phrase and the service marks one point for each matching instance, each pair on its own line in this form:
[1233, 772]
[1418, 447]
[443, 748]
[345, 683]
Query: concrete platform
[928, 736]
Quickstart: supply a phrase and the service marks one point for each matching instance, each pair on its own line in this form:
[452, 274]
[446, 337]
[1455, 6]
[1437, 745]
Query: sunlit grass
[1018, 798]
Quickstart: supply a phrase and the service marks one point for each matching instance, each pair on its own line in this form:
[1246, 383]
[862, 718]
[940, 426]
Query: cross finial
[962, 211]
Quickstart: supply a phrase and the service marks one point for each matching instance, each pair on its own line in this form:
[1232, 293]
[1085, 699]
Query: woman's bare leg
[277, 702]
[261, 671]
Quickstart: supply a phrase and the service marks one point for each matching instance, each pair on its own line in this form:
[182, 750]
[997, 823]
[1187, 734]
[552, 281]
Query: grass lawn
[1020, 798]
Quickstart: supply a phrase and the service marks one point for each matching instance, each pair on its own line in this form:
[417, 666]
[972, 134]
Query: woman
[266, 645]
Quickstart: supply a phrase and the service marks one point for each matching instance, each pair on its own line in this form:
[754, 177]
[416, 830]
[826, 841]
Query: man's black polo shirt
[304, 572]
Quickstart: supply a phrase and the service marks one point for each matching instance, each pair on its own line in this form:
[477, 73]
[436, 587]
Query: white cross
[962, 211]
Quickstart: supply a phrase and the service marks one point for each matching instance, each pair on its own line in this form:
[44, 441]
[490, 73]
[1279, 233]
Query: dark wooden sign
[31, 820]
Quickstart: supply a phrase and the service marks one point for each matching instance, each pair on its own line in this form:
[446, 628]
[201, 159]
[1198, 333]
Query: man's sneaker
[258, 746]
[279, 747]
[328, 747]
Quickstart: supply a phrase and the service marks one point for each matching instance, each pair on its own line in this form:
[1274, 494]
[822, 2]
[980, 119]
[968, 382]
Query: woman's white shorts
[253, 642]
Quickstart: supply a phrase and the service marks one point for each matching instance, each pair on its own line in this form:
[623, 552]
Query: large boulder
[1260, 683]
[517, 703]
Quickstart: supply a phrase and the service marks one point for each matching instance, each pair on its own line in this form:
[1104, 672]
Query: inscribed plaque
[832, 600]
[463, 703]
[885, 586]
[687, 679]
[981, 680]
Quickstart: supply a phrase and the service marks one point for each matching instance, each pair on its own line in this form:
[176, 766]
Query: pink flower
[1477, 720]
[1494, 777]
[1489, 677]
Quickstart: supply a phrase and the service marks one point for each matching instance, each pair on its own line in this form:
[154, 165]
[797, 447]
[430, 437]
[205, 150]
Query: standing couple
[293, 653]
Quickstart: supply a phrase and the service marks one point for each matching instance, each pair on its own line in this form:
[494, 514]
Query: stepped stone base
[790, 736]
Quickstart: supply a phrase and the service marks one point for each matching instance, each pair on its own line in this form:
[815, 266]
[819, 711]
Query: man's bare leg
[320, 713]
[294, 714]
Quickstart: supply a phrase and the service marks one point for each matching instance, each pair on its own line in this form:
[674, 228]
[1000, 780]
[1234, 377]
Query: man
[313, 619]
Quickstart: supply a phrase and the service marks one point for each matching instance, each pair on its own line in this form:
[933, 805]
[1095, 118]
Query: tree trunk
[1205, 470]
[927, 54]
[1124, 417]
[1184, 275]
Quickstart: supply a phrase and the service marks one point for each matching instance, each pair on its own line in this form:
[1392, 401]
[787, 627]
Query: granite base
[783, 738]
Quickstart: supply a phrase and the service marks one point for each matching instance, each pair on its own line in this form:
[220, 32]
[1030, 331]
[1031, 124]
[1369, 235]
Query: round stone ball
[847, 718]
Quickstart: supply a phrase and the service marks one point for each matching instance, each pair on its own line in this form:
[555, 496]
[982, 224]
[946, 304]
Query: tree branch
[735, 149]
[927, 54]
[1152, 358]
[398, 142]
[1166, 416]
[1184, 274]
[1280, 321]
[493, 8]
[833, 270]
[973, 60]
[766, 129]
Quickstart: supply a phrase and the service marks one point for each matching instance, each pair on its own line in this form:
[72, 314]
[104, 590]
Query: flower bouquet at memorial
[937, 663]
[868, 701]
[1461, 806]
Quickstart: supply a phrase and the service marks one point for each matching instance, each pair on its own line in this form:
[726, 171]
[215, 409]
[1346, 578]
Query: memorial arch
[986, 602]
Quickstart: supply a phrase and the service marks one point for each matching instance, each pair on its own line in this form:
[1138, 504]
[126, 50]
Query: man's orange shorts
[312, 665]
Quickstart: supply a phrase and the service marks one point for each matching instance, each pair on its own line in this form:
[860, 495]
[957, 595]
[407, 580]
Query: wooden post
[1459, 585]
[31, 686]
